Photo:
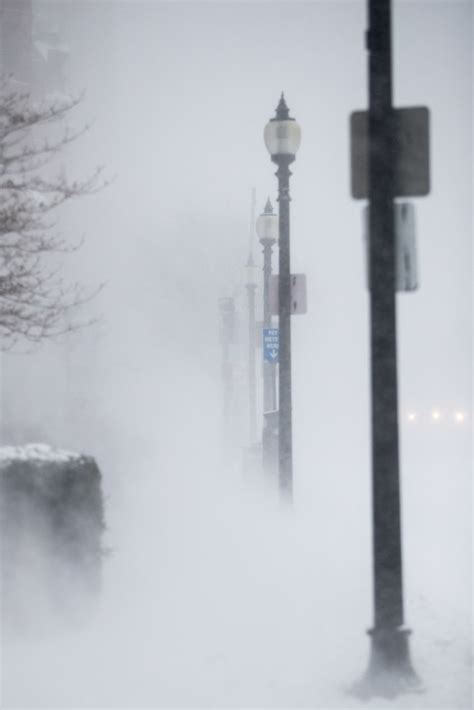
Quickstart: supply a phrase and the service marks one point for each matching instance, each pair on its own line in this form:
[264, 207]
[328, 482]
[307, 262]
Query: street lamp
[251, 273]
[282, 137]
[267, 232]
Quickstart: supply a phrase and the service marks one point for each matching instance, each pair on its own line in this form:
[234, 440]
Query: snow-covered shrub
[51, 524]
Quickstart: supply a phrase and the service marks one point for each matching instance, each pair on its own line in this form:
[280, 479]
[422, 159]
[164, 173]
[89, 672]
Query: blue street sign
[271, 341]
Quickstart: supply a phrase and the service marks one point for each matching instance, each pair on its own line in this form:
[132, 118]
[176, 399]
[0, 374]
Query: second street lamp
[282, 137]
[267, 232]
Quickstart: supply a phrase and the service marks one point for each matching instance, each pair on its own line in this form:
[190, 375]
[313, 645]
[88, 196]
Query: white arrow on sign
[273, 354]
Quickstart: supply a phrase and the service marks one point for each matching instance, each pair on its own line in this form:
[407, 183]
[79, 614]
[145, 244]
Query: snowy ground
[218, 595]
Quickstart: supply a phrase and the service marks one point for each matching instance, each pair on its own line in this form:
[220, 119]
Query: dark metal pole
[389, 639]
[284, 311]
[282, 137]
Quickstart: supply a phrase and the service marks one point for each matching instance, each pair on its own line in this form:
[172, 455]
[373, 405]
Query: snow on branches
[35, 302]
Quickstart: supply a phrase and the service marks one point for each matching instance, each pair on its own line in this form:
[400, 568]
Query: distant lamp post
[282, 137]
[267, 232]
[251, 285]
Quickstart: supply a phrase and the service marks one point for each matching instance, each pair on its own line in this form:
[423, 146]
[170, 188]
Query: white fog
[216, 592]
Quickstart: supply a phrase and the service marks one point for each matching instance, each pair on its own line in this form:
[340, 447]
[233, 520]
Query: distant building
[31, 51]
[16, 39]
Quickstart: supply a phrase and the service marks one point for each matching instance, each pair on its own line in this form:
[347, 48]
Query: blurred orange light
[459, 417]
[436, 415]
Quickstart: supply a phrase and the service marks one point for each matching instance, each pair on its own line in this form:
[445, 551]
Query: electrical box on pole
[406, 262]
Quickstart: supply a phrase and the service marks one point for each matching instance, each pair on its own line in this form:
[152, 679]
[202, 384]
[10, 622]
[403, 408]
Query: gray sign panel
[411, 168]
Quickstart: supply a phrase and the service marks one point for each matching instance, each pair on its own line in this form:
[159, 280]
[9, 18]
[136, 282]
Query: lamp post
[251, 289]
[267, 232]
[390, 668]
[282, 137]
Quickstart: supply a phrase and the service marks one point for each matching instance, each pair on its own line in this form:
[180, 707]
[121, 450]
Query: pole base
[390, 672]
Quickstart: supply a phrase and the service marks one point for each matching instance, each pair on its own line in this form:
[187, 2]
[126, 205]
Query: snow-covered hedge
[51, 526]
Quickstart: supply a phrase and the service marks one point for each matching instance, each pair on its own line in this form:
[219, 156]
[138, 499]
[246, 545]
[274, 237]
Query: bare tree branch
[35, 303]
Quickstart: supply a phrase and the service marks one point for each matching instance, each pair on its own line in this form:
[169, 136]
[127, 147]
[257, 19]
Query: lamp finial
[268, 209]
[282, 110]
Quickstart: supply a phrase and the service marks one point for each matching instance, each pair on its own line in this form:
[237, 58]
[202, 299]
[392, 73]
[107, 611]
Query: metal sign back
[411, 155]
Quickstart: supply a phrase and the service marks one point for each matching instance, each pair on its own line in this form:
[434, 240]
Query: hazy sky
[178, 94]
